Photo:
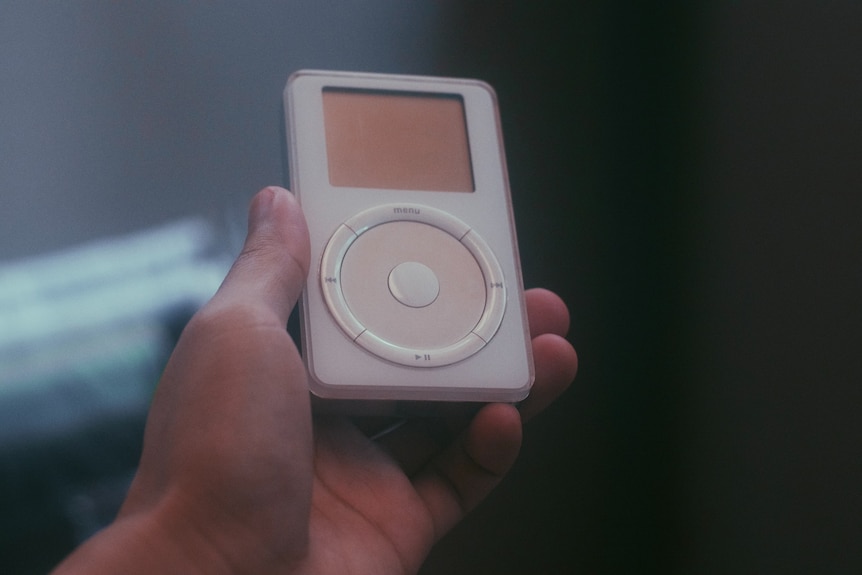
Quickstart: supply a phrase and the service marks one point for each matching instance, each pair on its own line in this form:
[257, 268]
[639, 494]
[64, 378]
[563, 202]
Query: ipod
[415, 291]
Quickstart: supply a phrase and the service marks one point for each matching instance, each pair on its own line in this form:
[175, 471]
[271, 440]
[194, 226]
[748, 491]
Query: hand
[237, 477]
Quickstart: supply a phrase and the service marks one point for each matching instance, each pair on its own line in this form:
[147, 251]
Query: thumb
[272, 267]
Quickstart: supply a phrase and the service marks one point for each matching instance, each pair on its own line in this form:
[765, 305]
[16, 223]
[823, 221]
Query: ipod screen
[396, 140]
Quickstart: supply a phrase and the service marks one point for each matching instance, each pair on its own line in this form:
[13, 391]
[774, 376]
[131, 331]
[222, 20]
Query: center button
[414, 284]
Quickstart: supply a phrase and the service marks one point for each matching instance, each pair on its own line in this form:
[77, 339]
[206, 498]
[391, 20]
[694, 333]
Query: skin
[238, 476]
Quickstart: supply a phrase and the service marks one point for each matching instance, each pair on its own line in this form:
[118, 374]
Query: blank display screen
[396, 140]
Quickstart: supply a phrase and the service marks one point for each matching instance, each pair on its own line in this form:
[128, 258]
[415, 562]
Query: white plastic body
[339, 368]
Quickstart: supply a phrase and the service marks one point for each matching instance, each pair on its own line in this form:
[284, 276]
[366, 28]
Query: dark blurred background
[686, 176]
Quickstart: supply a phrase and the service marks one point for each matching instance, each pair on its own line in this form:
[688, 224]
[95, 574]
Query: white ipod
[415, 289]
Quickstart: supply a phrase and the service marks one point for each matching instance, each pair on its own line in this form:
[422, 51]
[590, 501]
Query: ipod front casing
[414, 292]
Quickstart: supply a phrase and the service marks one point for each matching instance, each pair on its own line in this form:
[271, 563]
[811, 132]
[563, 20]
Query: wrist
[153, 541]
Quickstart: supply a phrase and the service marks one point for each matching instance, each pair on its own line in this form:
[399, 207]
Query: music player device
[415, 290]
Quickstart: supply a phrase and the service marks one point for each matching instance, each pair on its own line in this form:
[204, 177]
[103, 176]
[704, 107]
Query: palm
[366, 515]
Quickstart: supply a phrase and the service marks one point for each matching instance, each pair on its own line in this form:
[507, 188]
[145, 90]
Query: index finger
[547, 313]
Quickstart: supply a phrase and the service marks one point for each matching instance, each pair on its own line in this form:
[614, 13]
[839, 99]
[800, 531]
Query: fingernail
[263, 202]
